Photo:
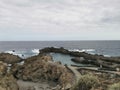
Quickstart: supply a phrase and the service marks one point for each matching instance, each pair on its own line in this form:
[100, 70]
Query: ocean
[31, 48]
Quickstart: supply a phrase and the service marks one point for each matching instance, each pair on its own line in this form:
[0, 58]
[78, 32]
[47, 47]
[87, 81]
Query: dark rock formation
[9, 58]
[99, 60]
[55, 50]
[42, 67]
[80, 60]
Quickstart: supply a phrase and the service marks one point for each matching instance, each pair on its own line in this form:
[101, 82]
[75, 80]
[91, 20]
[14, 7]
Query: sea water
[26, 49]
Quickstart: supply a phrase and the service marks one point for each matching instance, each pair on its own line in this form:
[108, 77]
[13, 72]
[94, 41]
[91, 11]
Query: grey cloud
[59, 15]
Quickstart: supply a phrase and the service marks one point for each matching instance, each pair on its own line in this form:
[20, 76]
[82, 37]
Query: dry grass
[115, 86]
[86, 82]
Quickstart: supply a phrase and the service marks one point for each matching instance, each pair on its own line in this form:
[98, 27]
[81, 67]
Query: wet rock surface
[9, 58]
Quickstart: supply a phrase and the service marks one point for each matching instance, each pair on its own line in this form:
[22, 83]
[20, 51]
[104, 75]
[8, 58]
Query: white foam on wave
[36, 51]
[10, 52]
[14, 53]
[75, 50]
[90, 50]
[107, 56]
[82, 50]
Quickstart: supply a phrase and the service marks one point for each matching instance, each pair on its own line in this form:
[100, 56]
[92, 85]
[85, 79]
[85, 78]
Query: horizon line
[52, 40]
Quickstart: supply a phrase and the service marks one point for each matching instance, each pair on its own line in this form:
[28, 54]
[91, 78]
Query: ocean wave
[23, 53]
[36, 51]
[10, 52]
[90, 50]
[14, 53]
[82, 50]
[107, 56]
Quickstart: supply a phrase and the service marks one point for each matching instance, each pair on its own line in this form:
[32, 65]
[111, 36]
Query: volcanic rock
[42, 68]
[9, 58]
[111, 63]
[80, 60]
[7, 81]
[3, 68]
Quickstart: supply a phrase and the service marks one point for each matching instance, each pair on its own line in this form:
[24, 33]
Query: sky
[39, 20]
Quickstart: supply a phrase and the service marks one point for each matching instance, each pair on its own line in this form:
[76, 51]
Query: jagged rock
[9, 58]
[3, 68]
[111, 63]
[58, 62]
[55, 50]
[80, 60]
[42, 67]
[8, 82]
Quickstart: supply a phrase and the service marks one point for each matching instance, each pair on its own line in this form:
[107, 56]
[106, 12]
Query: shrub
[86, 82]
[115, 86]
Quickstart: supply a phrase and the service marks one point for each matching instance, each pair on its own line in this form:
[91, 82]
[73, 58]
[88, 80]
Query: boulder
[8, 82]
[9, 58]
[3, 68]
[80, 60]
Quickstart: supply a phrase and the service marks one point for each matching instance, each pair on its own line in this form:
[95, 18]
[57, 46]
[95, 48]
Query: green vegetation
[86, 82]
[115, 86]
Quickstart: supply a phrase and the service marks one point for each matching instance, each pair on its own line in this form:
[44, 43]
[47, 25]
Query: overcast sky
[59, 20]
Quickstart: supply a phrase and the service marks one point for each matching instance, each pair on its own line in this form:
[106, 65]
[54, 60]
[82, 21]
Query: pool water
[64, 59]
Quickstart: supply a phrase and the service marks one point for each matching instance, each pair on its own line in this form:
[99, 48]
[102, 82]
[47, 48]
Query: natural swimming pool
[64, 59]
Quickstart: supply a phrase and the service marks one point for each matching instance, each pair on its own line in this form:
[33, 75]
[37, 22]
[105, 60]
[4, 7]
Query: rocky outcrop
[9, 58]
[7, 81]
[3, 68]
[80, 60]
[80, 54]
[55, 50]
[110, 63]
[43, 68]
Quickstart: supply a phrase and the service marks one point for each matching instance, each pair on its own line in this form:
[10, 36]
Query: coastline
[38, 68]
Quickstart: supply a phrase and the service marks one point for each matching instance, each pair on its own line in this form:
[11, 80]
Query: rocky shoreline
[43, 73]
[36, 69]
[110, 63]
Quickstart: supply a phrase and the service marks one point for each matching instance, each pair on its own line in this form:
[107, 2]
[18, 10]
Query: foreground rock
[105, 78]
[9, 58]
[42, 68]
[7, 81]
[3, 68]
